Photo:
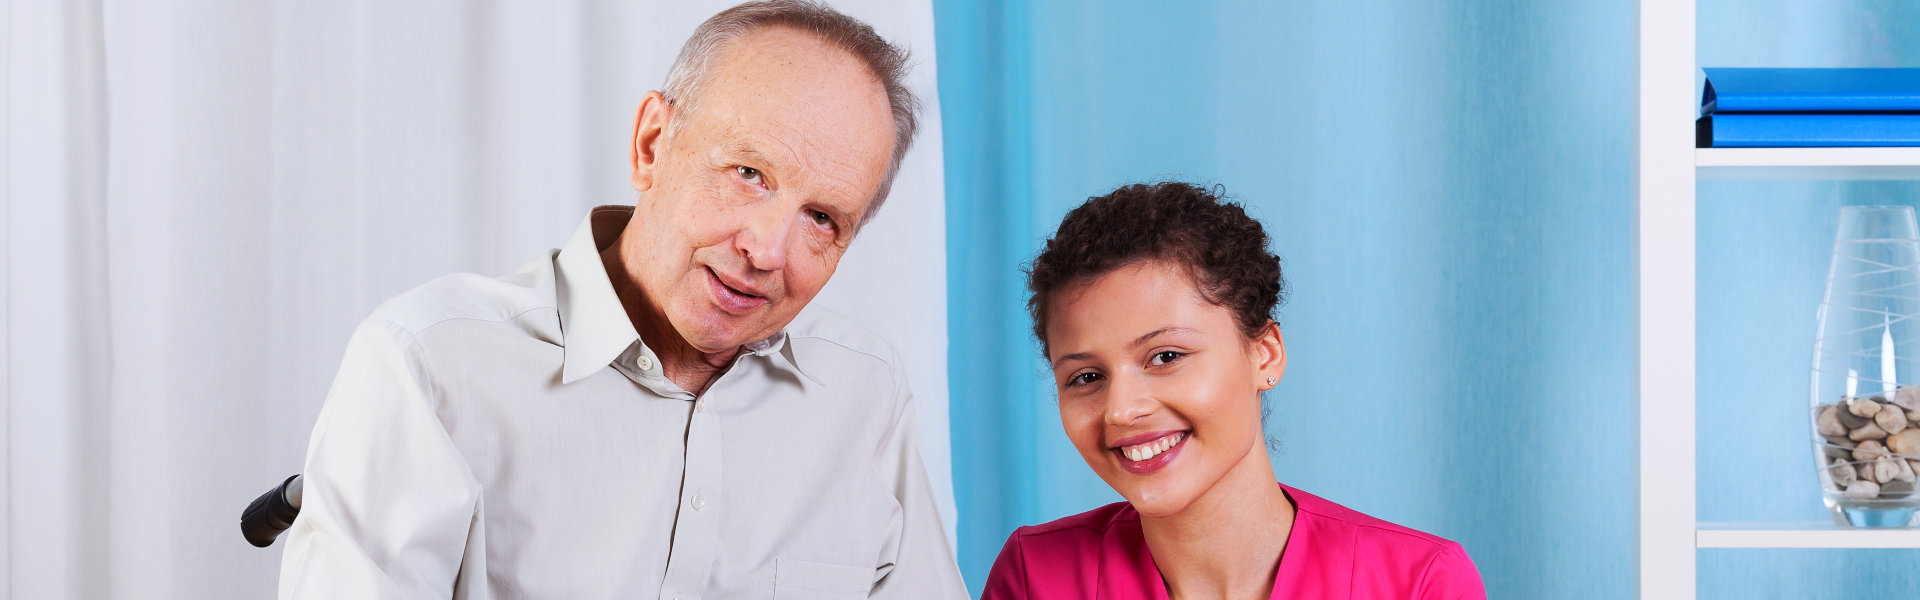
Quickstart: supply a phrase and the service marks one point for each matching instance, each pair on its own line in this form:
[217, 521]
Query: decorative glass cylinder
[1866, 370]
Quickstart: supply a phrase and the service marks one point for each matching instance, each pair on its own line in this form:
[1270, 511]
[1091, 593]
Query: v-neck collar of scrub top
[1317, 562]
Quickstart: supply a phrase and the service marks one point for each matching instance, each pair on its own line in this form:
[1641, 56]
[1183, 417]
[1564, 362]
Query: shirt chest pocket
[803, 580]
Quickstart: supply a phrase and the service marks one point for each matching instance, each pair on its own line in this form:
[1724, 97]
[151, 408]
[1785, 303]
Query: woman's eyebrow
[1074, 356]
[1158, 332]
[1137, 342]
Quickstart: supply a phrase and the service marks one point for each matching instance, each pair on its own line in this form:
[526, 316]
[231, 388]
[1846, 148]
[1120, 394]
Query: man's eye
[748, 174]
[822, 219]
[1166, 357]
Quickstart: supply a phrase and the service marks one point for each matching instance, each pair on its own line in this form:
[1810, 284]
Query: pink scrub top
[1333, 552]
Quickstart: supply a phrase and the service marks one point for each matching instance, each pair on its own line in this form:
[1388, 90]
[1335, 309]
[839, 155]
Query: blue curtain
[1450, 185]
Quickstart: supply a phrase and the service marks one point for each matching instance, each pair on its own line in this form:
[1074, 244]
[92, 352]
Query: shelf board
[1834, 164]
[1809, 534]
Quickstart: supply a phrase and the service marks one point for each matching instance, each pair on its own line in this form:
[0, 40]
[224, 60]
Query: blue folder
[1810, 90]
[1807, 130]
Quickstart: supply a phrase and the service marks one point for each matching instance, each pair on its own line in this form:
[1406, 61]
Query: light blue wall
[1764, 248]
[1449, 184]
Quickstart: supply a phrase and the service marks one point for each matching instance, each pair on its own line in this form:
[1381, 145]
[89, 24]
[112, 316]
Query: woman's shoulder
[1077, 539]
[1400, 558]
[1092, 524]
[1068, 550]
[1366, 528]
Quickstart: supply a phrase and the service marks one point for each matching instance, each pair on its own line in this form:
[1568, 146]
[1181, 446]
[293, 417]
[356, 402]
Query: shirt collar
[594, 327]
[779, 346]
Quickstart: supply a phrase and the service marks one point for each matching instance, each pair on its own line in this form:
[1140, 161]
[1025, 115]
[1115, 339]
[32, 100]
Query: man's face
[748, 204]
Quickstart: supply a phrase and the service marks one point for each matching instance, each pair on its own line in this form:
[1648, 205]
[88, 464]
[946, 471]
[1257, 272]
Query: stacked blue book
[1802, 108]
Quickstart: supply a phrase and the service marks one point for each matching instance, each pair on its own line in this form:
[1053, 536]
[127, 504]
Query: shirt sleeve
[1452, 576]
[922, 562]
[1008, 579]
[389, 508]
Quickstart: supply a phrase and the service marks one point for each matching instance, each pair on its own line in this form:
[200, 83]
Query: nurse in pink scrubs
[1154, 308]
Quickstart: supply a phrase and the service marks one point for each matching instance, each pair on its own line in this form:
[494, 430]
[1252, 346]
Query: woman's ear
[1269, 356]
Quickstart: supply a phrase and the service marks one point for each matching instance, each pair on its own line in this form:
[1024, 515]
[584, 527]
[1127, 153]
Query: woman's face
[1159, 389]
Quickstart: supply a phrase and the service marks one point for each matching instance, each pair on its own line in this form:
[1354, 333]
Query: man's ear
[1270, 356]
[649, 128]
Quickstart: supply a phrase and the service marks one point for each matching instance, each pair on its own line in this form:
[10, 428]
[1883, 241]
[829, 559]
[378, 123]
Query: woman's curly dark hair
[1222, 248]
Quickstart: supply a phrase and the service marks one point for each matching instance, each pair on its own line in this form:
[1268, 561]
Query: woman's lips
[1142, 456]
[730, 299]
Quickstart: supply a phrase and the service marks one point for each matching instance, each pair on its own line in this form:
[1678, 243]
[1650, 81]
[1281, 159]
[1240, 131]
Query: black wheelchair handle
[271, 513]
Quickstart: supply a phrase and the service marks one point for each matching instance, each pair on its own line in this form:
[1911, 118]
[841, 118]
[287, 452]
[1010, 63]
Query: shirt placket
[696, 526]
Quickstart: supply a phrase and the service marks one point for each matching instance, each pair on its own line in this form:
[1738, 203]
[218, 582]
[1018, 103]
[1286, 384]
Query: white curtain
[203, 198]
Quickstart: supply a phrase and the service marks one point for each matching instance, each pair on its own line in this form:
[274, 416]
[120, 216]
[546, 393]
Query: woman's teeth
[1153, 448]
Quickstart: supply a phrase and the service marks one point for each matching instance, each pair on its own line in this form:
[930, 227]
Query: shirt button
[699, 500]
[699, 406]
[646, 363]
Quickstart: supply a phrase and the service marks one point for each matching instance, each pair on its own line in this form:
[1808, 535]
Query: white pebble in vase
[1908, 397]
[1891, 419]
[1863, 489]
[1863, 407]
[1869, 450]
[1842, 474]
[1869, 431]
[1886, 468]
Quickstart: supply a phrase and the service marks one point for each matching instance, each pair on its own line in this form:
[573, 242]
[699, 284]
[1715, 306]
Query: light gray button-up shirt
[513, 437]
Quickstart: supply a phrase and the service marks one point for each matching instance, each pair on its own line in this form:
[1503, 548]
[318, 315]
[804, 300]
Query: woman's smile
[1150, 452]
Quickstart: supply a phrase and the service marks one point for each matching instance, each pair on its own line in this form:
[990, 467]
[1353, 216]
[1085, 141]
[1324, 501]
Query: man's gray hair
[693, 68]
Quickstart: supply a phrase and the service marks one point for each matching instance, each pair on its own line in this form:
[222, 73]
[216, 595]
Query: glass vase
[1866, 389]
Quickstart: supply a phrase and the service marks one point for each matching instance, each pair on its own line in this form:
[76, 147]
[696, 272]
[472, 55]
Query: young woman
[1154, 308]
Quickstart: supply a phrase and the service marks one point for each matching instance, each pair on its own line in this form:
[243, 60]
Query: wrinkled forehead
[794, 79]
[803, 103]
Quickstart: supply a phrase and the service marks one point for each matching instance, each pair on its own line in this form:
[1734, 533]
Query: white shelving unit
[1809, 534]
[1668, 168]
[1807, 163]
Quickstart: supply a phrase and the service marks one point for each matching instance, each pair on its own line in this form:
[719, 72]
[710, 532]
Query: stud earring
[1272, 380]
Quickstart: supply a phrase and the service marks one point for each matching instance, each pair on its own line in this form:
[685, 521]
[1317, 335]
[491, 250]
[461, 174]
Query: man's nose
[1128, 400]
[765, 236]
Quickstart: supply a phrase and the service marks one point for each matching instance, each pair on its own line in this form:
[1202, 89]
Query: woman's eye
[748, 174]
[1083, 379]
[1166, 357]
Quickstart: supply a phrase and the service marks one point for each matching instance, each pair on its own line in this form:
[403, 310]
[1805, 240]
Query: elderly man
[645, 412]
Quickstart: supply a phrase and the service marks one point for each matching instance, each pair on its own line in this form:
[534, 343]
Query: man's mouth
[734, 298]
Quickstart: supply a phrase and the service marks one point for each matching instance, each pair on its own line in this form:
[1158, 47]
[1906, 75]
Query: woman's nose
[1128, 401]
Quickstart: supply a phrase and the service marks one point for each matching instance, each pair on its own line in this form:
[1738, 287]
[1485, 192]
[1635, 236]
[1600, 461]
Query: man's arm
[389, 508]
[923, 565]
